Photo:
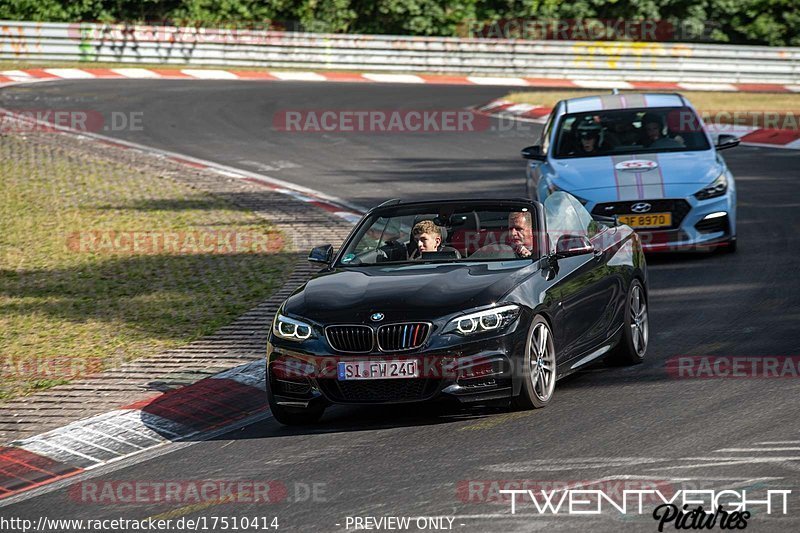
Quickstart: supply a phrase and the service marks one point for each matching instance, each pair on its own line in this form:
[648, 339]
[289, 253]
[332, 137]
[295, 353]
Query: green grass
[65, 312]
[703, 101]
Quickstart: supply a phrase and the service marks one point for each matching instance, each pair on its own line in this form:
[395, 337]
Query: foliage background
[766, 22]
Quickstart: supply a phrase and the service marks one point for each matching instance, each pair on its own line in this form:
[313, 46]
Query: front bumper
[704, 225]
[473, 371]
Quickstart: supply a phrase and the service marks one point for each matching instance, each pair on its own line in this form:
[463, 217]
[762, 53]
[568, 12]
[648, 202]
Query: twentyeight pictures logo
[679, 509]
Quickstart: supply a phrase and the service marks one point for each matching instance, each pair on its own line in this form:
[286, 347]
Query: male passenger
[621, 131]
[520, 233]
[427, 236]
[654, 137]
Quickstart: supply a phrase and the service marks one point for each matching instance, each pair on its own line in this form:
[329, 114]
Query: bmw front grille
[390, 337]
[350, 339]
[398, 337]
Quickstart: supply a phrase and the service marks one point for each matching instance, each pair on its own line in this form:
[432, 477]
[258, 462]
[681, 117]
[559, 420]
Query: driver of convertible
[427, 236]
[520, 232]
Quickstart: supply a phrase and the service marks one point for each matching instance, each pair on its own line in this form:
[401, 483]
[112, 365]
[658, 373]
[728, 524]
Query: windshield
[448, 233]
[630, 131]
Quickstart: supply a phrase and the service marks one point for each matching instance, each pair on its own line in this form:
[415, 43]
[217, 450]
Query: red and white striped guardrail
[30, 75]
[552, 59]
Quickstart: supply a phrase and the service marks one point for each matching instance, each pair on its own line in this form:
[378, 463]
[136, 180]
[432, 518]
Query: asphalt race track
[607, 423]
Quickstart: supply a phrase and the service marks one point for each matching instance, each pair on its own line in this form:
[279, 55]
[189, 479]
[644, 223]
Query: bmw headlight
[290, 329]
[483, 321]
[717, 188]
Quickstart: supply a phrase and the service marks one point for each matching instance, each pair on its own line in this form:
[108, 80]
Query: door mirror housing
[572, 245]
[725, 141]
[321, 254]
[533, 152]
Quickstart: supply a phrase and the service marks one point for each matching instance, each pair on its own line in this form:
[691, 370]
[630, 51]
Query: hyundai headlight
[291, 329]
[717, 188]
[494, 319]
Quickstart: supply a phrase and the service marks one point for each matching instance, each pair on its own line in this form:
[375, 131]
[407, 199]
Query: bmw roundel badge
[376, 317]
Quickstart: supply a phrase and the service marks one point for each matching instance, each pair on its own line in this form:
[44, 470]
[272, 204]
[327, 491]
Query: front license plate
[378, 370]
[650, 220]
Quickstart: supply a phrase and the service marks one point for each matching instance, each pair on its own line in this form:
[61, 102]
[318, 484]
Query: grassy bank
[708, 102]
[76, 292]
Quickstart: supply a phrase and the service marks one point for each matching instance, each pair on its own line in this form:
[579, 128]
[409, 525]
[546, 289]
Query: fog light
[476, 371]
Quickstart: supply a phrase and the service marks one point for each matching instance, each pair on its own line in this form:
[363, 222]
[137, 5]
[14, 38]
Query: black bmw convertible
[466, 300]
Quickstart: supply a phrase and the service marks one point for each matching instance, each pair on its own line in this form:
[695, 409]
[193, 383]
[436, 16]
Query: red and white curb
[507, 109]
[770, 138]
[132, 72]
[198, 411]
[193, 412]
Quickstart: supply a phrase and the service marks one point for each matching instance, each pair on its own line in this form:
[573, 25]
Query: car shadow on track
[344, 419]
[206, 408]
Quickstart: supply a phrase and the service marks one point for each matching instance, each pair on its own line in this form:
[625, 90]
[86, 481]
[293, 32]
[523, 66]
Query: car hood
[408, 292]
[675, 175]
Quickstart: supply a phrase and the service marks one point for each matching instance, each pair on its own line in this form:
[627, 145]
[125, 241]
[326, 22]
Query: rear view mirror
[533, 152]
[321, 254]
[572, 245]
[725, 141]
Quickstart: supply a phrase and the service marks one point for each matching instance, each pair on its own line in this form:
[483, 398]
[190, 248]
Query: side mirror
[533, 152]
[572, 245]
[321, 254]
[725, 141]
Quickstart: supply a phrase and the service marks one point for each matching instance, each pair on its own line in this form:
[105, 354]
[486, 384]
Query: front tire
[538, 367]
[636, 329]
